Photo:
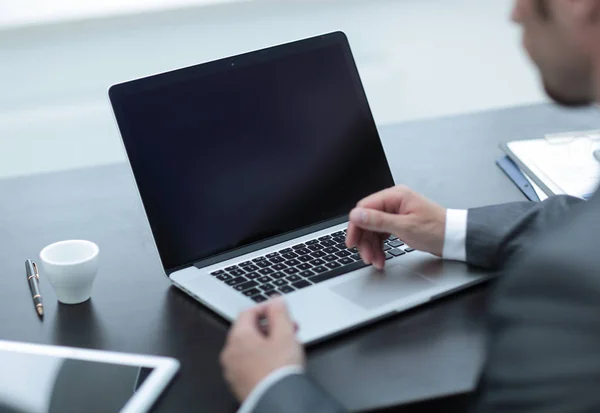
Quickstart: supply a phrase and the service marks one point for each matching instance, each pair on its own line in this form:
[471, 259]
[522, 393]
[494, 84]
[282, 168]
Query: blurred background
[417, 58]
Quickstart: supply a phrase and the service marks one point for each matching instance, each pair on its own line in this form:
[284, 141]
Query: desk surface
[427, 353]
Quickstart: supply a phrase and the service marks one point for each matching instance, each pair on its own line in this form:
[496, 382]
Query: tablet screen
[34, 383]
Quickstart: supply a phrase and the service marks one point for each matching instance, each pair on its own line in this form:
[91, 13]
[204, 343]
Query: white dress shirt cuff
[262, 387]
[455, 239]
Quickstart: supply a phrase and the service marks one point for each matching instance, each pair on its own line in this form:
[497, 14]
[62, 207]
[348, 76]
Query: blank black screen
[250, 148]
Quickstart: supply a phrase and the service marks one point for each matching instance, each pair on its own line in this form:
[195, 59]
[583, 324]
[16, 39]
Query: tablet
[51, 379]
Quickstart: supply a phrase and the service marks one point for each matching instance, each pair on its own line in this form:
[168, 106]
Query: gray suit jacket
[544, 314]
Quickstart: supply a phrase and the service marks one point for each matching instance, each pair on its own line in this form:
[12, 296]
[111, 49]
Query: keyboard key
[286, 251]
[396, 252]
[320, 269]
[235, 281]
[232, 268]
[293, 278]
[392, 238]
[246, 286]
[395, 243]
[277, 260]
[250, 268]
[330, 250]
[318, 254]
[245, 263]
[272, 293]
[259, 259]
[327, 243]
[304, 267]
[280, 283]
[326, 237]
[259, 298]
[287, 289]
[307, 274]
[330, 258]
[409, 249]
[267, 287]
[317, 262]
[279, 267]
[251, 292]
[315, 247]
[292, 263]
[343, 254]
[278, 275]
[305, 258]
[264, 264]
[297, 247]
[237, 273]
[272, 255]
[290, 255]
[225, 277]
[356, 257]
[267, 271]
[338, 234]
[312, 242]
[333, 265]
[220, 272]
[342, 246]
[264, 280]
[388, 256]
[252, 275]
[339, 239]
[337, 272]
[354, 250]
[303, 251]
[301, 284]
[346, 261]
[386, 247]
[291, 271]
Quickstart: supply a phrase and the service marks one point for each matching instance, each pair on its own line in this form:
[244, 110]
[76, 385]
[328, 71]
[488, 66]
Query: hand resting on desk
[251, 353]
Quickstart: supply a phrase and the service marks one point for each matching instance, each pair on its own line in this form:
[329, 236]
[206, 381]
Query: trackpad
[376, 290]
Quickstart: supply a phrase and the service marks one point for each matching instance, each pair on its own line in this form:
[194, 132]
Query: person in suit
[543, 352]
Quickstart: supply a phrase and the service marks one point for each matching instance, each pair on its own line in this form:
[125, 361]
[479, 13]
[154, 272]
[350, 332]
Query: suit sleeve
[297, 394]
[544, 339]
[496, 233]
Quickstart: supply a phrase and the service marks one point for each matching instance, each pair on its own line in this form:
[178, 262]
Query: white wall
[417, 58]
[17, 13]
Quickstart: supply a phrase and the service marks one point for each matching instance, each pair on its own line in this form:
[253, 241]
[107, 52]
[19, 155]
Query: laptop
[247, 168]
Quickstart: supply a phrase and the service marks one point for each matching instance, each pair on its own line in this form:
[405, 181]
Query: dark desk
[427, 353]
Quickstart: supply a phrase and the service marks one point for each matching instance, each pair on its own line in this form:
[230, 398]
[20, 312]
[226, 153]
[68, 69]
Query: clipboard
[518, 178]
[559, 163]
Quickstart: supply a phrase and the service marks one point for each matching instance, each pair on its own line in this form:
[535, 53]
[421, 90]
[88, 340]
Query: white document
[564, 163]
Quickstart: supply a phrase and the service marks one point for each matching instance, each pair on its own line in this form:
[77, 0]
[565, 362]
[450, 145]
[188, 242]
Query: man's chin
[566, 101]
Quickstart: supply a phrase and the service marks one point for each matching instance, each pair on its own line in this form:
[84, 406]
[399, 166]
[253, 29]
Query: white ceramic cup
[71, 267]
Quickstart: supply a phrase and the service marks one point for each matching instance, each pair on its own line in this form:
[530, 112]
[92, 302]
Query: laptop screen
[237, 151]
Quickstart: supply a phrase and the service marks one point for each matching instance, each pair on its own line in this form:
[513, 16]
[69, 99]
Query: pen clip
[37, 274]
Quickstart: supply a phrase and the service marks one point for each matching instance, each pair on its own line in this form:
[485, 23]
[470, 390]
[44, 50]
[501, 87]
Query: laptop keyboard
[300, 266]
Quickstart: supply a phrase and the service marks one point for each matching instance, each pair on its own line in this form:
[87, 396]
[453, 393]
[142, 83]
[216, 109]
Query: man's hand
[402, 212]
[253, 352]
